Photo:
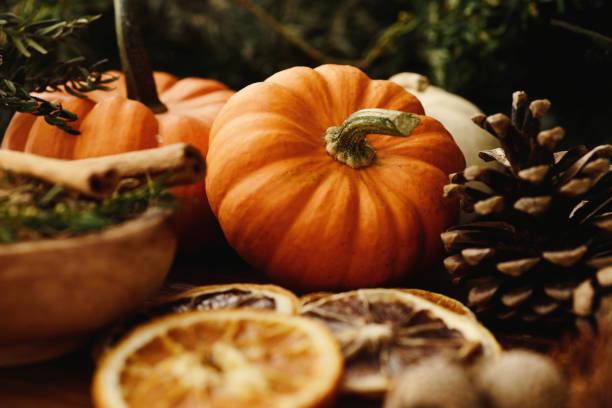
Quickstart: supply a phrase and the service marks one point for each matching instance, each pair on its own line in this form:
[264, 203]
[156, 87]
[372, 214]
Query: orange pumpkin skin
[310, 222]
[110, 123]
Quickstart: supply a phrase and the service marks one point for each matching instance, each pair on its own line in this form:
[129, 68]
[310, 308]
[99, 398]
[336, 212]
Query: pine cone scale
[517, 267]
[565, 258]
[516, 296]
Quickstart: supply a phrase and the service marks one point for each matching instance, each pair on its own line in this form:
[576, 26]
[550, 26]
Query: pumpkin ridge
[17, 133]
[391, 96]
[204, 110]
[430, 132]
[330, 184]
[244, 179]
[249, 133]
[303, 131]
[382, 190]
[171, 128]
[220, 96]
[189, 88]
[321, 102]
[232, 179]
[240, 108]
[96, 127]
[250, 211]
[349, 103]
[370, 195]
[428, 209]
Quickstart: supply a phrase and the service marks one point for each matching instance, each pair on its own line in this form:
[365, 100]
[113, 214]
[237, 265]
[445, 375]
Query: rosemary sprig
[36, 54]
[32, 209]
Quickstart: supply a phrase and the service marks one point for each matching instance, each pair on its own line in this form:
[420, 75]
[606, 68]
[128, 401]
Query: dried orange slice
[221, 358]
[444, 301]
[383, 331]
[230, 295]
[210, 297]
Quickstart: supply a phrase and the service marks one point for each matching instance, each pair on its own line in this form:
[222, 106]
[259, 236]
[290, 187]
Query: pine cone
[540, 246]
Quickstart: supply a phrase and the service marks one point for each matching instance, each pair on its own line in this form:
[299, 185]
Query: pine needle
[32, 62]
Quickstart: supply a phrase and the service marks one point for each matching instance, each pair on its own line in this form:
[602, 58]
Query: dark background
[483, 50]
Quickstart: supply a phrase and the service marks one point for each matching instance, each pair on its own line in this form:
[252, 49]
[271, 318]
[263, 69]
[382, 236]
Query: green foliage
[31, 209]
[37, 53]
[481, 49]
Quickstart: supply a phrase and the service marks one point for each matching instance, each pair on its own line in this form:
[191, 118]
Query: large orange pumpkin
[305, 217]
[111, 123]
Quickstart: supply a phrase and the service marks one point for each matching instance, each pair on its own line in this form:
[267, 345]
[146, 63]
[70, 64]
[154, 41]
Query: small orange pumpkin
[144, 110]
[110, 123]
[292, 207]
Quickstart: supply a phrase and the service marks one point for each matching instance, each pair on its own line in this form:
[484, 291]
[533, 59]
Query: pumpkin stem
[347, 143]
[134, 63]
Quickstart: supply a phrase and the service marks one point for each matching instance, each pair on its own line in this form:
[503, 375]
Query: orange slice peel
[221, 358]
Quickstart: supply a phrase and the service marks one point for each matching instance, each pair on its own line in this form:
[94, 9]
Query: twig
[404, 24]
[600, 39]
[270, 21]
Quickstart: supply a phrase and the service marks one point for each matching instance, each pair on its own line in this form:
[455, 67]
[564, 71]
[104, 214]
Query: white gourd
[453, 111]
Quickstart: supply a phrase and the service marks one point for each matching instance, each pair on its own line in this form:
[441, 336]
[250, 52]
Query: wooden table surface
[65, 382]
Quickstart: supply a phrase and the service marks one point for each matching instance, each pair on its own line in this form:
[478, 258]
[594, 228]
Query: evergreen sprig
[32, 209]
[37, 54]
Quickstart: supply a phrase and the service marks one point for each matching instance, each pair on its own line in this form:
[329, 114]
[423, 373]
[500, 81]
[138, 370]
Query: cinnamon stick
[93, 183]
[99, 177]
[184, 162]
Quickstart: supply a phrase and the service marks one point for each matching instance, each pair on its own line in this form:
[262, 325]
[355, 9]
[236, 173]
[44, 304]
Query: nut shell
[434, 383]
[522, 379]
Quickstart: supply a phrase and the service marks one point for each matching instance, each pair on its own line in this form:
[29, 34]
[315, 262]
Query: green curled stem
[348, 144]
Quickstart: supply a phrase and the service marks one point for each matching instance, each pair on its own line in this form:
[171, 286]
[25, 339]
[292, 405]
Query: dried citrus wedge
[209, 297]
[383, 331]
[230, 295]
[446, 302]
[221, 358]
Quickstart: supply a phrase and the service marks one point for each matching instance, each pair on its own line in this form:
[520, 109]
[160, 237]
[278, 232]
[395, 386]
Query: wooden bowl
[55, 292]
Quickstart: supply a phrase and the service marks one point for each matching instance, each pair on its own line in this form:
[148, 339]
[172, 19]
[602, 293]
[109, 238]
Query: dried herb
[32, 209]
